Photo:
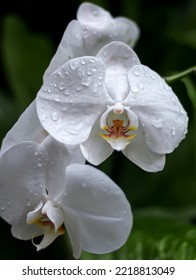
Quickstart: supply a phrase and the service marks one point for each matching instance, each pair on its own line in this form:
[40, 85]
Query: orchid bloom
[43, 193]
[113, 102]
[94, 28]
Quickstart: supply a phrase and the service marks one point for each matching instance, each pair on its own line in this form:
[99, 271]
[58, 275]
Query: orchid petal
[21, 180]
[93, 16]
[54, 214]
[71, 46]
[158, 109]
[59, 156]
[140, 154]
[118, 59]
[126, 31]
[95, 149]
[49, 236]
[27, 128]
[75, 89]
[101, 229]
[73, 226]
[24, 231]
[35, 215]
[100, 28]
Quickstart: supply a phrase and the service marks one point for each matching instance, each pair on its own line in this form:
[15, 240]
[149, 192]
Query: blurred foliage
[163, 203]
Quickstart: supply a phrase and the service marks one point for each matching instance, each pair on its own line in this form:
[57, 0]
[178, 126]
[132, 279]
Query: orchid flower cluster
[96, 97]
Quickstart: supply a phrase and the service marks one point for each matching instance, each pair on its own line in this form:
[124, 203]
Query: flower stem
[180, 75]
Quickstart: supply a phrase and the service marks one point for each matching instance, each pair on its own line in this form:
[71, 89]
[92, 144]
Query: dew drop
[152, 77]
[140, 85]
[134, 89]
[2, 209]
[78, 88]
[87, 82]
[83, 62]
[136, 73]
[73, 65]
[173, 131]
[67, 92]
[54, 116]
[61, 87]
[83, 184]
[181, 111]
[92, 60]
[57, 99]
[55, 85]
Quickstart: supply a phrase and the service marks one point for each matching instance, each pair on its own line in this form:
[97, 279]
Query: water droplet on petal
[67, 92]
[181, 111]
[54, 116]
[136, 73]
[140, 85]
[152, 77]
[2, 209]
[134, 88]
[57, 99]
[173, 131]
[78, 88]
[73, 65]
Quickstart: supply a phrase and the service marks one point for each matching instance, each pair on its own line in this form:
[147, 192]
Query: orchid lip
[117, 132]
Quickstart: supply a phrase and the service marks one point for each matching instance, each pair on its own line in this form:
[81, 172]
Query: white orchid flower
[94, 28]
[43, 193]
[113, 102]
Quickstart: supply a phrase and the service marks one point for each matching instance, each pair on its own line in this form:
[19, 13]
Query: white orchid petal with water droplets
[82, 95]
[118, 59]
[27, 128]
[158, 109]
[100, 28]
[140, 154]
[101, 229]
[95, 149]
[21, 180]
[71, 46]
[59, 156]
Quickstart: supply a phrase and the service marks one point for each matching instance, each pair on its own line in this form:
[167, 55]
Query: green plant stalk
[180, 75]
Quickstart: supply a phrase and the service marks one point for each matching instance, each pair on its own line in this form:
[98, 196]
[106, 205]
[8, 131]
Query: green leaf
[159, 234]
[25, 56]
